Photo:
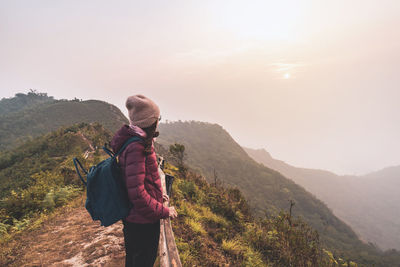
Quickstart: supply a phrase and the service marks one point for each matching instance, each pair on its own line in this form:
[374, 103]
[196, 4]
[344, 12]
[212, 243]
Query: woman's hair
[151, 133]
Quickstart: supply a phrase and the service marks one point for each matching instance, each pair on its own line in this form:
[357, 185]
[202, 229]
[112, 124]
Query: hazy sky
[315, 83]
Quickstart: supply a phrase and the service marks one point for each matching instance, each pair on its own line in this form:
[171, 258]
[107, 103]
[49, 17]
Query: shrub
[233, 247]
[188, 189]
[188, 210]
[252, 258]
[58, 197]
[3, 230]
[185, 252]
[195, 226]
[209, 216]
[48, 201]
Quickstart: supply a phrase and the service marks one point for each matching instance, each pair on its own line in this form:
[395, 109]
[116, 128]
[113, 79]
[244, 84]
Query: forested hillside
[23, 101]
[39, 176]
[37, 181]
[215, 225]
[26, 116]
[217, 221]
[210, 149]
[367, 203]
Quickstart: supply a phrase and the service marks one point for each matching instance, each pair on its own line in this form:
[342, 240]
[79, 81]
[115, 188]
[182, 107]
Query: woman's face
[158, 122]
[156, 132]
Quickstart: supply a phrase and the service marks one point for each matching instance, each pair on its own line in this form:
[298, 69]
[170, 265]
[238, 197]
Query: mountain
[29, 115]
[43, 221]
[210, 148]
[368, 203]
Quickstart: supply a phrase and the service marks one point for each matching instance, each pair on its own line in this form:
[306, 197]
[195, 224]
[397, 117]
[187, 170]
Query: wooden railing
[168, 252]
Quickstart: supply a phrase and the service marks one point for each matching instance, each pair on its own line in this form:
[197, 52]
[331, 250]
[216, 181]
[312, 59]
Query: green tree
[178, 153]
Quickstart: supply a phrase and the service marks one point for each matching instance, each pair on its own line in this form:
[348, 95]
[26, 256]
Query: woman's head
[143, 112]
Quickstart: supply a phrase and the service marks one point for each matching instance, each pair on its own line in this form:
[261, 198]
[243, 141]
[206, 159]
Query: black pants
[141, 243]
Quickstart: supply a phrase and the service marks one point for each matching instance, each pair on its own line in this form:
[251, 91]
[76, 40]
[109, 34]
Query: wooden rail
[168, 252]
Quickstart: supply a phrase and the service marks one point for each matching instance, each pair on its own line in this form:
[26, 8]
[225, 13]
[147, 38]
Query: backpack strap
[130, 140]
[76, 163]
[109, 152]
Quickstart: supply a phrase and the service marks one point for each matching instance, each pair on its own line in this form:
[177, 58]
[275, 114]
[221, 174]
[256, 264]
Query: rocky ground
[69, 239]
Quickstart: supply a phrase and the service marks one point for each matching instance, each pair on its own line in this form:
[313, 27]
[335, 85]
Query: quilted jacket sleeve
[135, 171]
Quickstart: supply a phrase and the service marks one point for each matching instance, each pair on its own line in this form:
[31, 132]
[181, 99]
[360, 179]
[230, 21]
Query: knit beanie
[143, 112]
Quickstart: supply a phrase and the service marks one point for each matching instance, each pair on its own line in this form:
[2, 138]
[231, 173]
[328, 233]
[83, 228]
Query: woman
[140, 170]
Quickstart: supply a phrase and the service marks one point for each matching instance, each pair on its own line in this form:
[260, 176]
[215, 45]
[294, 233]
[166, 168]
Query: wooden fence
[168, 252]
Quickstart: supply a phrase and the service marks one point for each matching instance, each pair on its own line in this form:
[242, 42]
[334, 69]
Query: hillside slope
[214, 228]
[47, 156]
[37, 179]
[210, 147]
[42, 225]
[48, 115]
[367, 203]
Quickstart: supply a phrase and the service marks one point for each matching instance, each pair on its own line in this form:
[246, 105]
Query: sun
[286, 76]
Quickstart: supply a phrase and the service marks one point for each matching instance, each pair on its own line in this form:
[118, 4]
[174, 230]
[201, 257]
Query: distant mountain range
[368, 203]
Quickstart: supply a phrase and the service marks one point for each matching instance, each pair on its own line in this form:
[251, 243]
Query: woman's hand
[165, 197]
[172, 213]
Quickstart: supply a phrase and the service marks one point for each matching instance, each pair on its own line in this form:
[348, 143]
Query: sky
[315, 83]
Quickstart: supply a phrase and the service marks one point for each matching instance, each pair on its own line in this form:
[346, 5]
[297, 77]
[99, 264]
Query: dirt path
[87, 141]
[70, 239]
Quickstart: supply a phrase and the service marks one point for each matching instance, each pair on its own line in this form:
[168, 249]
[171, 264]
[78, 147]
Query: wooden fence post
[168, 252]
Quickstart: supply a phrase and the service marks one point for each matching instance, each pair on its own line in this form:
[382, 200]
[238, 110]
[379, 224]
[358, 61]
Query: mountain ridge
[361, 201]
[208, 148]
[29, 121]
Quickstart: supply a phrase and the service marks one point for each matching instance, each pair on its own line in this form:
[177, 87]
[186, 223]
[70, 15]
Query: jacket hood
[123, 134]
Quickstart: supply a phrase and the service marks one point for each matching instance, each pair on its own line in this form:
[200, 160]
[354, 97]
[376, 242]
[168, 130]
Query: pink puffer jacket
[141, 176]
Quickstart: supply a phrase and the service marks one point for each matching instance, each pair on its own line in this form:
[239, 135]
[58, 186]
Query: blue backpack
[106, 194]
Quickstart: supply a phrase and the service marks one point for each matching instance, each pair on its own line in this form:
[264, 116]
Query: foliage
[38, 176]
[178, 153]
[232, 247]
[195, 226]
[23, 101]
[24, 117]
[216, 221]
